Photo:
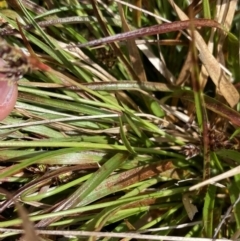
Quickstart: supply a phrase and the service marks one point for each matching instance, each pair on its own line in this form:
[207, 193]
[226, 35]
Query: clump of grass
[113, 138]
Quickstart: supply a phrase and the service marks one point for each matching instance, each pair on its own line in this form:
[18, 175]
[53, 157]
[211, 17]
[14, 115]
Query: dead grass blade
[133, 50]
[217, 75]
[30, 233]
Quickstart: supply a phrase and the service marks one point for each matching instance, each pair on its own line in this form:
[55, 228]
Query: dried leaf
[189, 207]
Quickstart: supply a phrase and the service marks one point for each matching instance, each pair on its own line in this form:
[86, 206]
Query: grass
[114, 138]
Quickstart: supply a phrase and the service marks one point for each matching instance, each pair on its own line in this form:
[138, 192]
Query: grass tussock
[108, 141]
